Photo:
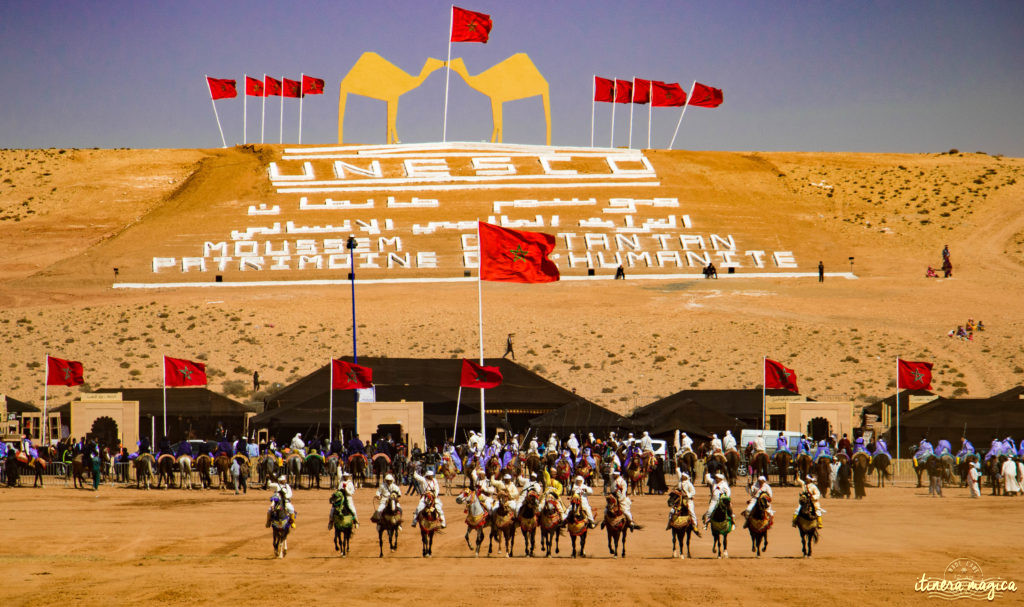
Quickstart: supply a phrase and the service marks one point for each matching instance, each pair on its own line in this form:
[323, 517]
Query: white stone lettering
[784, 259]
[426, 167]
[498, 165]
[426, 259]
[373, 170]
[306, 175]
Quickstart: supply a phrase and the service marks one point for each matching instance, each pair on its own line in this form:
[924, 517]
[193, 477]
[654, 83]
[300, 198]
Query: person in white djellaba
[581, 489]
[428, 483]
[689, 492]
[384, 492]
[620, 491]
[811, 488]
[756, 489]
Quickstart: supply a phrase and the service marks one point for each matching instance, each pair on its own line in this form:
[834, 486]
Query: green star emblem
[186, 373]
[519, 254]
[918, 376]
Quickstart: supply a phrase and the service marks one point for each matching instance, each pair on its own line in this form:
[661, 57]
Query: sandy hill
[69, 217]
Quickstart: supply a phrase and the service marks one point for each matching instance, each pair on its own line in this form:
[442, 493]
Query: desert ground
[176, 547]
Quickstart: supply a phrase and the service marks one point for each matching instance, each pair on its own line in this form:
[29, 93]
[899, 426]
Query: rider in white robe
[812, 489]
[384, 493]
[728, 441]
[581, 489]
[428, 483]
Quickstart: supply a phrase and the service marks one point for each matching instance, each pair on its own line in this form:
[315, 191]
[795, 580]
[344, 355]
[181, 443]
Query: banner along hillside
[277, 218]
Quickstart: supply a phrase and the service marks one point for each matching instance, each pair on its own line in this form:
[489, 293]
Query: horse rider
[782, 444]
[646, 444]
[282, 495]
[620, 491]
[844, 445]
[591, 441]
[823, 451]
[688, 492]
[552, 445]
[573, 444]
[298, 445]
[859, 446]
[685, 443]
[719, 489]
[924, 450]
[1009, 447]
[880, 447]
[505, 489]
[347, 488]
[355, 446]
[805, 446]
[164, 447]
[531, 485]
[580, 488]
[384, 494]
[966, 449]
[716, 444]
[429, 484]
[995, 449]
[943, 448]
[759, 487]
[812, 489]
[184, 448]
[728, 441]
[759, 444]
[533, 449]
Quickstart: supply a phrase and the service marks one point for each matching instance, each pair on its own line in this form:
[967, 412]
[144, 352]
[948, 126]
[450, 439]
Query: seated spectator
[931, 273]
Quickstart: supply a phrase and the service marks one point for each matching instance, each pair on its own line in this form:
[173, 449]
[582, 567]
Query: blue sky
[904, 76]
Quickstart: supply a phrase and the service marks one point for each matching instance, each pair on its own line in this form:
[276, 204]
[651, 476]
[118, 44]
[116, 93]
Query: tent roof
[433, 381]
[875, 408]
[687, 416]
[583, 416]
[970, 412]
[743, 404]
[191, 402]
[17, 406]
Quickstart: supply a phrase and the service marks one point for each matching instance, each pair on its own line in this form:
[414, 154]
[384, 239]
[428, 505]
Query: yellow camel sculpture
[375, 77]
[514, 78]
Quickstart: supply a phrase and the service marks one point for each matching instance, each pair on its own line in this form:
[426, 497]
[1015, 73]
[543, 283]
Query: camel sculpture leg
[342, 98]
[496, 118]
[547, 116]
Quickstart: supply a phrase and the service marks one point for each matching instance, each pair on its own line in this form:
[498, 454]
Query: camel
[514, 78]
[375, 77]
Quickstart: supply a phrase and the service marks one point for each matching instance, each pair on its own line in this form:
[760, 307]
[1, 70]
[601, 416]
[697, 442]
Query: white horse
[477, 516]
[185, 467]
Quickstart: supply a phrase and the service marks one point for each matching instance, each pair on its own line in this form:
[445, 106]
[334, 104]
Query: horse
[803, 465]
[721, 525]
[636, 474]
[165, 470]
[782, 460]
[842, 484]
[758, 462]
[357, 465]
[577, 525]
[293, 469]
[550, 523]
[584, 469]
[759, 522]
[534, 464]
[223, 465]
[203, 464]
[389, 520]
[861, 465]
[429, 522]
[333, 469]
[185, 470]
[563, 472]
[448, 472]
[143, 470]
[266, 468]
[880, 464]
[732, 465]
[947, 466]
[503, 527]
[381, 466]
[527, 521]
[920, 466]
[823, 470]
[476, 516]
[37, 466]
[616, 524]
[78, 471]
[11, 470]
[807, 523]
[608, 465]
[680, 523]
[342, 521]
[280, 525]
[686, 461]
[314, 467]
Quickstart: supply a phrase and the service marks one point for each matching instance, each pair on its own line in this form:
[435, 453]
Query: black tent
[664, 417]
[581, 417]
[744, 405]
[16, 406]
[979, 419]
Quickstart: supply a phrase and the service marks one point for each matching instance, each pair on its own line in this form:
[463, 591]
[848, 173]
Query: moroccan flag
[291, 88]
[641, 91]
[914, 375]
[623, 91]
[468, 26]
[705, 96]
[668, 95]
[271, 87]
[516, 256]
[348, 376]
[253, 87]
[604, 89]
[180, 372]
[479, 376]
[60, 372]
[221, 88]
[312, 86]
[777, 377]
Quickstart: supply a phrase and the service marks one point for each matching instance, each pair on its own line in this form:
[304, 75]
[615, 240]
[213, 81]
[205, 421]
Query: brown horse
[527, 521]
[37, 465]
[550, 523]
[357, 465]
[616, 524]
[782, 460]
[503, 527]
[807, 523]
[165, 470]
[758, 524]
[144, 470]
[223, 466]
[636, 474]
[449, 472]
[534, 463]
[861, 464]
[203, 464]
[429, 522]
[823, 470]
[732, 465]
[686, 461]
[78, 471]
[577, 525]
[389, 521]
[680, 523]
[804, 464]
[758, 462]
[584, 469]
[880, 464]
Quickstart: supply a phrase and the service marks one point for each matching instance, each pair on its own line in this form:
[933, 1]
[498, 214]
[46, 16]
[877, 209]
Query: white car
[659, 447]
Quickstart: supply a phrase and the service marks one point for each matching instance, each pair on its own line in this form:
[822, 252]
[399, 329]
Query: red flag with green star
[479, 376]
[778, 377]
[914, 375]
[516, 256]
[60, 372]
[468, 26]
[180, 372]
[349, 376]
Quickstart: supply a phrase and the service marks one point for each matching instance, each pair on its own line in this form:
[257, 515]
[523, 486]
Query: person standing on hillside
[255, 381]
[821, 271]
[508, 347]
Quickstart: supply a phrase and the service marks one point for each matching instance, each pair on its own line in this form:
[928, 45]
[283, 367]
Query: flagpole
[263, 115]
[46, 384]
[480, 320]
[764, 390]
[280, 135]
[165, 396]
[632, 91]
[447, 76]
[330, 391]
[302, 95]
[898, 453]
[593, 108]
[650, 111]
[458, 401]
[223, 141]
[615, 94]
[245, 107]
[682, 113]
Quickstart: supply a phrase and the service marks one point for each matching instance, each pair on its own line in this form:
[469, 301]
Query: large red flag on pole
[910, 375]
[220, 88]
[779, 377]
[516, 256]
[350, 376]
[59, 372]
[604, 91]
[667, 95]
[701, 95]
[179, 372]
[478, 376]
[463, 26]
